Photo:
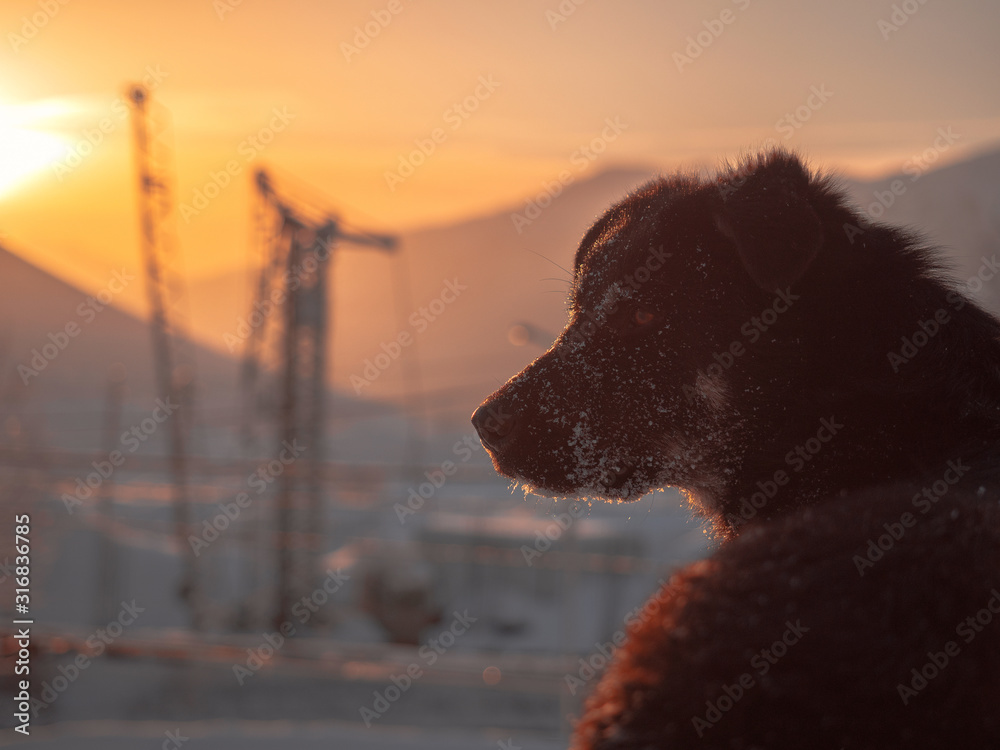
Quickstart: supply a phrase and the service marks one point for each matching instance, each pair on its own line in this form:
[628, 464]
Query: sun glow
[26, 146]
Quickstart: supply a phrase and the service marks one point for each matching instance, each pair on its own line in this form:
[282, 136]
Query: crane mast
[174, 376]
[295, 274]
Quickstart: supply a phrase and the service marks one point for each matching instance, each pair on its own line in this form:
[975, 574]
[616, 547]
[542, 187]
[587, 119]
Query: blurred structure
[107, 563]
[165, 286]
[296, 242]
[398, 590]
[523, 333]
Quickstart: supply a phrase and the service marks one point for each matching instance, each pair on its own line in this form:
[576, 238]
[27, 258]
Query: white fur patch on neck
[714, 390]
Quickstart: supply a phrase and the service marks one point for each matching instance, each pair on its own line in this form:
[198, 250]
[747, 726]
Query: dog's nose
[494, 425]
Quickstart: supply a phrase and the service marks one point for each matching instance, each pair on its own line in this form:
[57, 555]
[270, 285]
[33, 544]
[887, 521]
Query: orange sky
[509, 92]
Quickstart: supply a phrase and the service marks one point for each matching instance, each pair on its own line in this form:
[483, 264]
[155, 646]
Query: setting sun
[26, 148]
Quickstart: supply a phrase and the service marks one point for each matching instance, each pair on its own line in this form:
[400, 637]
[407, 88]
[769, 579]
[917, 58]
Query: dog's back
[839, 626]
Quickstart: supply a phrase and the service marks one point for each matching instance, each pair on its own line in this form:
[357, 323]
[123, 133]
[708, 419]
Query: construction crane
[296, 242]
[172, 362]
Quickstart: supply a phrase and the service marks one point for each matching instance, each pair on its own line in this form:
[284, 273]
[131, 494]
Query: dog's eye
[642, 317]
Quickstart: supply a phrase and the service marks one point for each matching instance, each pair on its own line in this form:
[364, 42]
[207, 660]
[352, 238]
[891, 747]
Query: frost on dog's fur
[620, 405]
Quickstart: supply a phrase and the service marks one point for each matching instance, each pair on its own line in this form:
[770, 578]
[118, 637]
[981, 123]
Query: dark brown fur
[659, 379]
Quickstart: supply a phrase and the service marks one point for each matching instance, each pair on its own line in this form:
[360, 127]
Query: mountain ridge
[506, 271]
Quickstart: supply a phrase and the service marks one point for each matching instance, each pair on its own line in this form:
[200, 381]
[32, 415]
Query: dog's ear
[766, 214]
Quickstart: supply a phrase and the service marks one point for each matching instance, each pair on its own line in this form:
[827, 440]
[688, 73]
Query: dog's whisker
[561, 268]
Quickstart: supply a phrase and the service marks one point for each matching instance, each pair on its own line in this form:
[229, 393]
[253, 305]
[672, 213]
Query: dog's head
[647, 384]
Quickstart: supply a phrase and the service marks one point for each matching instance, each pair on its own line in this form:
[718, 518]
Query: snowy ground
[535, 620]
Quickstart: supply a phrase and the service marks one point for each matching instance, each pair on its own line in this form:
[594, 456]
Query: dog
[830, 402]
